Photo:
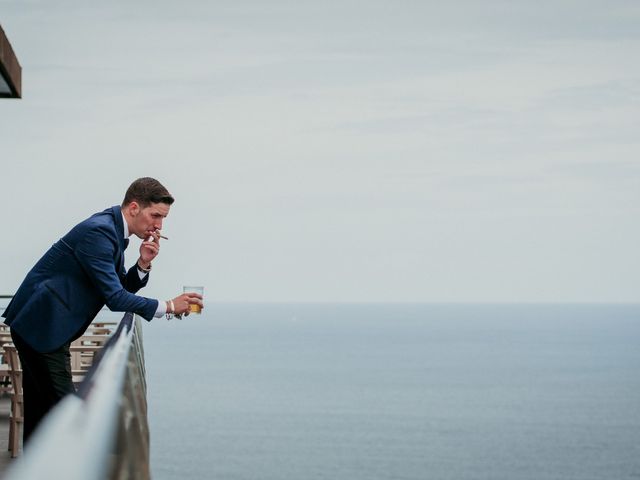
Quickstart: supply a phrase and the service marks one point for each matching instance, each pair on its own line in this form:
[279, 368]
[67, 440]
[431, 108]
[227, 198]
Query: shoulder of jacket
[98, 224]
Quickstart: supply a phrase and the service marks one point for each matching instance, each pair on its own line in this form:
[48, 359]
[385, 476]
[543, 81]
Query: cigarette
[161, 236]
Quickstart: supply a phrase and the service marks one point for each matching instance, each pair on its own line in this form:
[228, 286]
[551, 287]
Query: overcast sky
[337, 151]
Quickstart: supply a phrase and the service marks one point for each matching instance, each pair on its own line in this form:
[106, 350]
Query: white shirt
[162, 306]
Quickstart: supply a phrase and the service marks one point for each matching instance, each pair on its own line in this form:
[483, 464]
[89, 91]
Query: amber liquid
[195, 308]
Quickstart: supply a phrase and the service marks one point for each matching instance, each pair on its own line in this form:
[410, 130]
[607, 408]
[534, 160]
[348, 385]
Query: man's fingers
[196, 300]
[151, 246]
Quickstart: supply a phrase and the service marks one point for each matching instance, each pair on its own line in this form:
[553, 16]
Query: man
[71, 283]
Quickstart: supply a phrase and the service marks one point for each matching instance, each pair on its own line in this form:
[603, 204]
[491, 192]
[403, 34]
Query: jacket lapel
[123, 242]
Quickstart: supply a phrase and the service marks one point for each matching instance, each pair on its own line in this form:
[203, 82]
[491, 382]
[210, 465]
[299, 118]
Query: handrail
[101, 432]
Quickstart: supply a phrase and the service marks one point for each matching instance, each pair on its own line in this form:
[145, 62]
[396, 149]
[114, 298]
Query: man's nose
[158, 225]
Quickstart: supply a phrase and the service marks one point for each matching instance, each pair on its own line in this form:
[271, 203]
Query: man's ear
[134, 208]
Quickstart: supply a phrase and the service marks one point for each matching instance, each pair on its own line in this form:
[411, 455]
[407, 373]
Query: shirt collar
[126, 227]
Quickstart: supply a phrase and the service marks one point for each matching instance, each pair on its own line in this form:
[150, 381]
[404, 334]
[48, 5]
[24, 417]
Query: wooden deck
[5, 456]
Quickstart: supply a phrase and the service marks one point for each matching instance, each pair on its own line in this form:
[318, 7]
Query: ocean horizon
[396, 391]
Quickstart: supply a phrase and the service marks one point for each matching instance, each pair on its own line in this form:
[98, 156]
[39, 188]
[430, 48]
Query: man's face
[148, 219]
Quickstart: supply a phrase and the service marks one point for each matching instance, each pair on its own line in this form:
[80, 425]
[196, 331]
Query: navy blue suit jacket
[74, 279]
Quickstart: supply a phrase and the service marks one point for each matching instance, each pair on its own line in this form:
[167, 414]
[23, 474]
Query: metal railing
[101, 432]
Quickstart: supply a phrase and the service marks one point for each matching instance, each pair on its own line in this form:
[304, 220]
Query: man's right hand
[182, 303]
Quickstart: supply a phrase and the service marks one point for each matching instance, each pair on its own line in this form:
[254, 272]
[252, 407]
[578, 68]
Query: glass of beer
[194, 308]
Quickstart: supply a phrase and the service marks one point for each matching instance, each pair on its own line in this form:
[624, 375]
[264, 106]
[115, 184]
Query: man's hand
[182, 303]
[149, 250]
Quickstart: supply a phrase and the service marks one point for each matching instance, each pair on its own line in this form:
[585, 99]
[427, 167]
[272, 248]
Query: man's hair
[146, 191]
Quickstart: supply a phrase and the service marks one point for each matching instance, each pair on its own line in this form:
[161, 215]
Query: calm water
[348, 392]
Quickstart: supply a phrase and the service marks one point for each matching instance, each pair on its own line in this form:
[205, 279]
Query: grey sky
[337, 151]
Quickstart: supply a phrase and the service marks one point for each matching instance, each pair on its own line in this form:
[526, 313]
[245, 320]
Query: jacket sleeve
[96, 253]
[132, 281]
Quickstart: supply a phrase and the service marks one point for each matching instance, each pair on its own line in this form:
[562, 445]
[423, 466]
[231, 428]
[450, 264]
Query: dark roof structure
[10, 70]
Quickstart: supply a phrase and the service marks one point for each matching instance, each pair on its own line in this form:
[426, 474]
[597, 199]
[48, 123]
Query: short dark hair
[145, 191]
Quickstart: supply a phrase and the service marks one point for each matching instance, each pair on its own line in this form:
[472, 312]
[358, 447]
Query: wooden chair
[82, 357]
[5, 337]
[5, 373]
[5, 377]
[16, 418]
[83, 352]
[101, 328]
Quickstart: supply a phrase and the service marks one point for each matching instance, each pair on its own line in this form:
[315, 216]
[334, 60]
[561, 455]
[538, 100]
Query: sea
[305, 391]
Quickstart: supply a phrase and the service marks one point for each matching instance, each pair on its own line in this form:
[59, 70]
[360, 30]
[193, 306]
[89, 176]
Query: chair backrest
[84, 350]
[5, 337]
[14, 367]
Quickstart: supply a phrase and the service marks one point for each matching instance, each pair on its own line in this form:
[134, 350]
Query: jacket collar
[119, 223]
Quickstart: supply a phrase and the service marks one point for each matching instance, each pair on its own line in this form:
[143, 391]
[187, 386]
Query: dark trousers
[46, 378]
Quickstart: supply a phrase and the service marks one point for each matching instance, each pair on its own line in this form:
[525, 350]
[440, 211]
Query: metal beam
[10, 70]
